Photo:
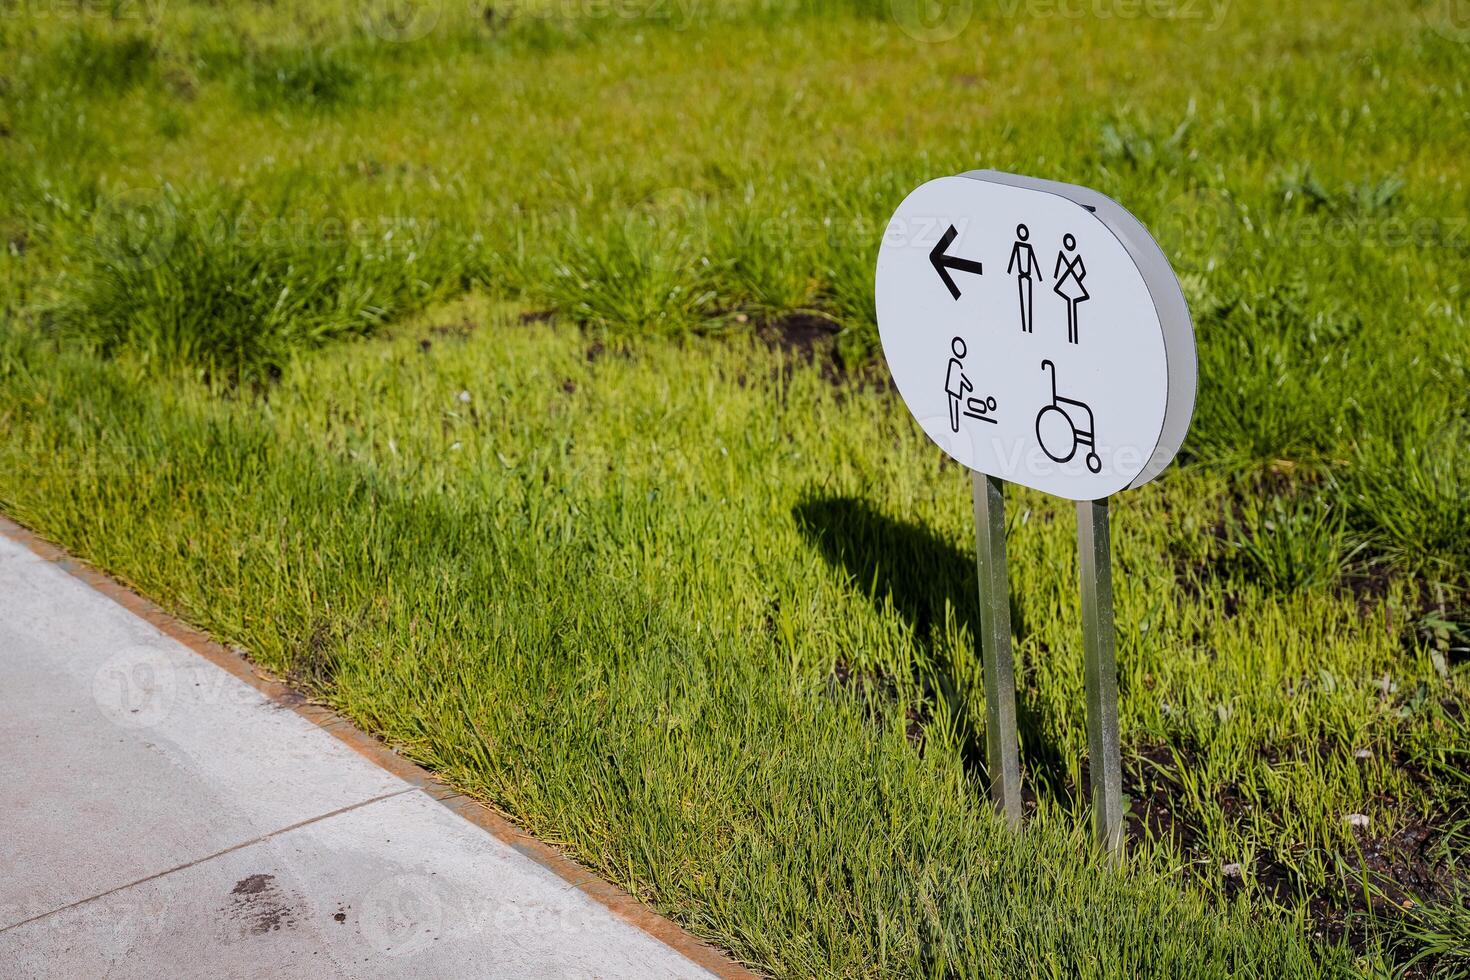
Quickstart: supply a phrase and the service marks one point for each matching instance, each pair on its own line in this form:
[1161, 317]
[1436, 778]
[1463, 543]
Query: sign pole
[1095, 553]
[1002, 751]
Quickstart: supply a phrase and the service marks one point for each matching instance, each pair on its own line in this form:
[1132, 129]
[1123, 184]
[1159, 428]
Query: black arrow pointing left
[943, 263]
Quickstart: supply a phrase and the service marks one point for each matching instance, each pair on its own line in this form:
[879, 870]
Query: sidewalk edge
[606, 894]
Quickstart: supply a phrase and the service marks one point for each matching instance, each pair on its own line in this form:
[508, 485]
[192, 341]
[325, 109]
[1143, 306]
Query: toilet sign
[1036, 332]
[1038, 335]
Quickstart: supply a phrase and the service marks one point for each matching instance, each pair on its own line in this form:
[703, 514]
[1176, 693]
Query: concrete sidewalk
[164, 814]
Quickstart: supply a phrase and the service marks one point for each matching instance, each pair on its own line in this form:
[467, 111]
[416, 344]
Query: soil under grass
[513, 389]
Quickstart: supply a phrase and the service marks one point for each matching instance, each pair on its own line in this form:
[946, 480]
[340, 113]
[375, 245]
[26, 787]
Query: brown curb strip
[610, 896]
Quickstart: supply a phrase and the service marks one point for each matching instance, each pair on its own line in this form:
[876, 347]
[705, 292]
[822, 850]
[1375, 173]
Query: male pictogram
[1023, 263]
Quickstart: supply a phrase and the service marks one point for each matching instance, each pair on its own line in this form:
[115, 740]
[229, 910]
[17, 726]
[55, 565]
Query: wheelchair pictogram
[1060, 421]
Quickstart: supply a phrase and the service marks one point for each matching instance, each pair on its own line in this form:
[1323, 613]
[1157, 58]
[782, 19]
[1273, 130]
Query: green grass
[1288, 545]
[234, 288]
[616, 612]
[680, 603]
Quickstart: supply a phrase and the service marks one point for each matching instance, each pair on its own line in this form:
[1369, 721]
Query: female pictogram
[1023, 263]
[1069, 283]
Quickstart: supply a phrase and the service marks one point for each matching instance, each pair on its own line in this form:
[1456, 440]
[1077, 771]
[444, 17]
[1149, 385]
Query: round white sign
[1036, 332]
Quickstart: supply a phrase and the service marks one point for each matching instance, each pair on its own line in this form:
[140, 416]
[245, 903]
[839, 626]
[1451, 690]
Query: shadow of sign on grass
[922, 574]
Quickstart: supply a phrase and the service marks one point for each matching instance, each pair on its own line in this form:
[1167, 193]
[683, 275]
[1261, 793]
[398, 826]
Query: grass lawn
[507, 379]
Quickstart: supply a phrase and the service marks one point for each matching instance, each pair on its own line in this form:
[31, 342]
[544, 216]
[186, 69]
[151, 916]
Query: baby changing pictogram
[957, 386]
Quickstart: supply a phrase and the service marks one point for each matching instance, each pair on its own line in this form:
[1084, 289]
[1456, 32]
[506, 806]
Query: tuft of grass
[636, 275]
[1365, 199]
[761, 270]
[1444, 749]
[1274, 368]
[1435, 934]
[301, 76]
[1429, 935]
[1410, 495]
[1288, 543]
[104, 62]
[221, 286]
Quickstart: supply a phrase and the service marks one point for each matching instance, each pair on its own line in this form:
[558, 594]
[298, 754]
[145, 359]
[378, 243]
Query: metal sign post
[1002, 741]
[1101, 667]
[1037, 334]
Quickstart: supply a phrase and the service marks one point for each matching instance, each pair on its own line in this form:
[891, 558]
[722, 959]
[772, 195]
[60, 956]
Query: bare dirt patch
[1387, 875]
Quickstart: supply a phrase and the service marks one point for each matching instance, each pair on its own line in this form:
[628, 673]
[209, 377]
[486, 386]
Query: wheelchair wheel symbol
[1064, 425]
